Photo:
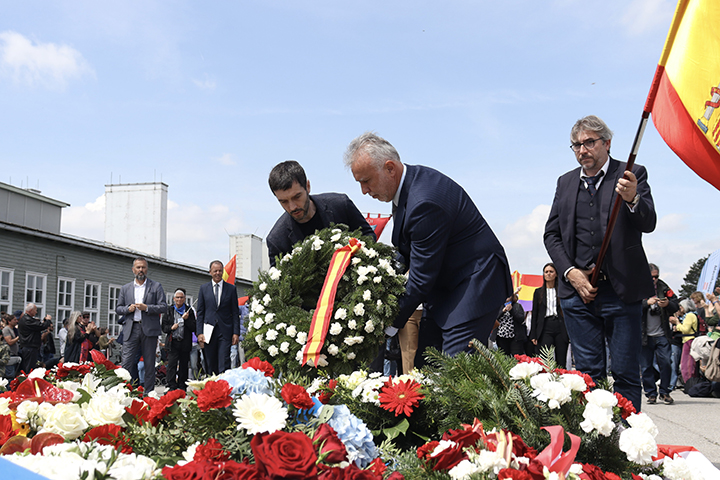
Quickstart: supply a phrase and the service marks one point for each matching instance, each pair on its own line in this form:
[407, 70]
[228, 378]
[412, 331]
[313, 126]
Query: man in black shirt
[30, 330]
[305, 213]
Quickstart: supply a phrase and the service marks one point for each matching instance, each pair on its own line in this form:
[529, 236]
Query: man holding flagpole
[610, 311]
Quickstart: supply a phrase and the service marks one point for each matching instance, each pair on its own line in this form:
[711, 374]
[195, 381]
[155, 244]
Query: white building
[252, 255]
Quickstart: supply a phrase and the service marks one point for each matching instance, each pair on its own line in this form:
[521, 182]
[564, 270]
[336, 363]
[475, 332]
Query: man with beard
[611, 311]
[305, 213]
[140, 304]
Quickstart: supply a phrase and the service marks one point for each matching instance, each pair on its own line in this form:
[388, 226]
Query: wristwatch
[635, 200]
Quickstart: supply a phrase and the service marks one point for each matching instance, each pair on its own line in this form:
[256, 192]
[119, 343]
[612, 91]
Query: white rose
[353, 340]
[352, 325]
[103, 409]
[269, 317]
[317, 244]
[335, 237]
[65, 419]
[356, 260]
[362, 279]
[4, 409]
[340, 314]
[369, 326]
[263, 286]
[258, 323]
[122, 373]
[377, 279]
[335, 328]
[274, 273]
[351, 356]
[266, 299]
[333, 349]
[359, 310]
[37, 373]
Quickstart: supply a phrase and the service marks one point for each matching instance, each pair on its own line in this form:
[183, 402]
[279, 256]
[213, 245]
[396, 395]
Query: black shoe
[652, 400]
[667, 399]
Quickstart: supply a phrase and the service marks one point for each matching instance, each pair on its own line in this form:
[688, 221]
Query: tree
[692, 277]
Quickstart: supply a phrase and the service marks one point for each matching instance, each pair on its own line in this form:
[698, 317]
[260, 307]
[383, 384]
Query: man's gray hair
[29, 306]
[593, 124]
[377, 148]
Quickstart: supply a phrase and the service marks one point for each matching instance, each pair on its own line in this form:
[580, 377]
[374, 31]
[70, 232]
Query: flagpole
[679, 11]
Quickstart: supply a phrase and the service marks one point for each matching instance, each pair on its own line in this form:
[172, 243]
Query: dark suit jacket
[457, 266]
[225, 317]
[332, 208]
[625, 263]
[190, 324]
[539, 308]
[154, 299]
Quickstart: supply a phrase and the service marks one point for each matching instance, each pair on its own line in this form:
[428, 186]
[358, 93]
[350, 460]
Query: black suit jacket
[539, 308]
[625, 263]
[457, 266]
[331, 207]
[190, 324]
[225, 317]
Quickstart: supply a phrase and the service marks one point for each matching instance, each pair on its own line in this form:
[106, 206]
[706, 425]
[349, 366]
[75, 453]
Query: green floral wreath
[283, 300]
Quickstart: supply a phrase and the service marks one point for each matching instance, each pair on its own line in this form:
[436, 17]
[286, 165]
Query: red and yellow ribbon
[323, 312]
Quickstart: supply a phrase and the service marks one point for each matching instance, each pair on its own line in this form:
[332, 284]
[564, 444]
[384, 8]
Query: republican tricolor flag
[685, 96]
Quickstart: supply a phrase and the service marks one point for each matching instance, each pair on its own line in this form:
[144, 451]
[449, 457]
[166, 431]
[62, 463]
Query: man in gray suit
[140, 305]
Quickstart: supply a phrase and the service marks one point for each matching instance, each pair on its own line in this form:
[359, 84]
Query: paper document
[207, 331]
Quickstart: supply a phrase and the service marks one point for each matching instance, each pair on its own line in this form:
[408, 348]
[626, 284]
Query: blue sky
[209, 96]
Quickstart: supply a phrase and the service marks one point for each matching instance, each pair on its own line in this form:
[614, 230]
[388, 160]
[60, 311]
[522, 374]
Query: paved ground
[689, 421]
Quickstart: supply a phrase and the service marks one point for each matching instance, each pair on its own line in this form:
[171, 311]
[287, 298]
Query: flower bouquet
[284, 300]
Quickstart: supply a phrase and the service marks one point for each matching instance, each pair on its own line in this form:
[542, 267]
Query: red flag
[685, 96]
[229, 273]
[377, 223]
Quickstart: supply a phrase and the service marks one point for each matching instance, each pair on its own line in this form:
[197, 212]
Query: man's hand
[141, 306]
[534, 341]
[580, 280]
[663, 302]
[48, 317]
[131, 308]
[186, 315]
[627, 186]
[235, 339]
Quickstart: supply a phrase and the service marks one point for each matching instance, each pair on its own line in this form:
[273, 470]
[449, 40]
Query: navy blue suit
[225, 317]
[331, 207]
[457, 267]
[615, 314]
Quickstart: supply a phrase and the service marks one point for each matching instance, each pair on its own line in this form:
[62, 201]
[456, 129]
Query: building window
[113, 326]
[92, 301]
[6, 290]
[65, 300]
[35, 291]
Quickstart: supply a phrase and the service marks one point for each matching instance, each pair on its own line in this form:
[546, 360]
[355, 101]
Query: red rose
[232, 470]
[449, 457]
[215, 394]
[327, 442]
[514, 474]
[592, 472]
[426, 450]
[211, 450]
[284, 455]
[465, 438]
[297, 396]
[351, 472]
[521, 449]
[327, 394]
[535, 469]
[258, 364]
[378, 467]
[189, 471]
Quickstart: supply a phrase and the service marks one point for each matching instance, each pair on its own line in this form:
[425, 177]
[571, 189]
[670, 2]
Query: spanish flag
[685, 96]
[229, 273]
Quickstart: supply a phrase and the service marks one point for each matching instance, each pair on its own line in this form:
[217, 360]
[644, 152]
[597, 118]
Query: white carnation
[525, 370]
[359, 310]
[554, 393]
[291, 331]
[601, 398]
[269, 317]
[273, 350]
[597, 418]
[377, 279]
[643, 422]
[356, 260]
[266, 299]
[335, 328]
[301, 338]
[285, 347]
[274, 273]
[317, 243]
[258, 323]
[352, 325]
[271, 334]
[340, 314]
[638, 444]
[263, 286]
[353, 340]
[573, 382]
[351, 356]
[335, 237]
[369, 326]
[333, 349]
[367, 295]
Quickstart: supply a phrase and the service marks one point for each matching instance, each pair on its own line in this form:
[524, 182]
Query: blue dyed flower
[354, 434]
[247, 380]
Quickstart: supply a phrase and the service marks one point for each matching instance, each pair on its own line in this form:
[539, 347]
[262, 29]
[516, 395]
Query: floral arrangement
[85, 421]
[284, 299]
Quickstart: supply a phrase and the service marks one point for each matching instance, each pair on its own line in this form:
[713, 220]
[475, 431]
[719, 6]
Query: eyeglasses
[589, 144]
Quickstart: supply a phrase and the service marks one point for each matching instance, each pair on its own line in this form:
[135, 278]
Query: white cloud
[207, 84]
[35, 63]
[642, 16]
[226, 159]
[87, 221]
[523, 241]
[674, 222]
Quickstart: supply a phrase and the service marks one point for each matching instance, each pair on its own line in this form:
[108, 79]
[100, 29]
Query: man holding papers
[218, 320]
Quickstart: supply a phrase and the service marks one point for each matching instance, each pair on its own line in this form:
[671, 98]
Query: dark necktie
[591, 181]
[217, 294]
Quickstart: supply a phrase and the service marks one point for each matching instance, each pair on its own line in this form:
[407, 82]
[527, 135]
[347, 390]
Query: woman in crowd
[511, 332]
[548, 324]
[179, 324]
[81, 338]
[685, 322]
